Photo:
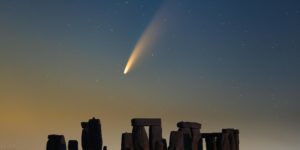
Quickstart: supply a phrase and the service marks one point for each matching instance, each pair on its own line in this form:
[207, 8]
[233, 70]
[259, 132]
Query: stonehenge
[139, 135]
[91, 135]
[73, 145]
[126, 141]
[186, 137]
[56, 142]
[228, 139]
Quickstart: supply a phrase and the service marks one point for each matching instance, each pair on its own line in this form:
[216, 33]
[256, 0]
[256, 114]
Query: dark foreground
[187, 137]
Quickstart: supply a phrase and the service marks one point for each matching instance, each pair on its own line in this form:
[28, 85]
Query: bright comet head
[150, 35]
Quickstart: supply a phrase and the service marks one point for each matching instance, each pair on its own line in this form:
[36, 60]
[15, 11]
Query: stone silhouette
[56, 142]
[126, 140]
[140, 138]
[187, 137]
[73, 145]
[228, 139]
[91, 135]
[212, 140]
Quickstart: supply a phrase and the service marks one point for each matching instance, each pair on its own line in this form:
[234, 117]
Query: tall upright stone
[176, 141]
[84, 136]
[155, 133]
[230, 139]
[187, 138]
[155, 136]
[159, 145]
[126, 143]
[209, 143]
[191, 135]
[72, 145]
[92, 135]
[196, 139]
[56, 142]
[236, 135]
[179, 144]
[95, 134]
[140, 138]
[172, 140]
[165, 143]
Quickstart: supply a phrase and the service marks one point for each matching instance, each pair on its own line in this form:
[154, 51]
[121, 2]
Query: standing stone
[84, 136]
[219, 141]
[165, 144]
[155, 136]
[126, 143]
[94, 134]
[91, 135]
[232, 138]
[236, 135]
[180, 145]
[73, 145]
[191, 135]
[200, 144]
[172, 140]
[187, 138]
[140, 138]
[211, 142]
[232, 141]
[196, 136]
[225, 140]
[159, 145]
[56, 142]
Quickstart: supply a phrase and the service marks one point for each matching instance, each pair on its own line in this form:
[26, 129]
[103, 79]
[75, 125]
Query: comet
[147, 39]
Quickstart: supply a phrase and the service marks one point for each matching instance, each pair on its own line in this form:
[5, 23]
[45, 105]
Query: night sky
[220, 63]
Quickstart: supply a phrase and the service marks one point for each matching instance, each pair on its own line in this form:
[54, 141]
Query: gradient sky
[221, 63]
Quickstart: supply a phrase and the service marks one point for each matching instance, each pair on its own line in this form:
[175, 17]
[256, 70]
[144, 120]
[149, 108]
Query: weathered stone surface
[187, 137]
[236, 133]
[155, 135]
[225, 141]
[56, 142]
[84, 136]
[213, 140]
[180, 145]
[176, 141]
[232, 141]
[232, 136]
[219, 141]
[91, 135]
[193, 125]
[140, 138]
[165, 144]
[73, 145]
[196, 136]
[172, 140]
[126, 143]
[146, 122]
[200, 144]
[211, 143]
[159, 145]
